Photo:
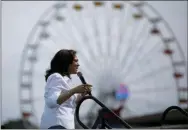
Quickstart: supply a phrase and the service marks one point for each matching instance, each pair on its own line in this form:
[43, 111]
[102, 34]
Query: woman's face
[73, 68]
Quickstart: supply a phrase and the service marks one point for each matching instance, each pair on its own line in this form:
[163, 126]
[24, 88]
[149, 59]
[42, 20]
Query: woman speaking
[60, 97]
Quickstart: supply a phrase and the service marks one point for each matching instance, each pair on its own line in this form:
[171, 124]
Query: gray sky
[18, 18]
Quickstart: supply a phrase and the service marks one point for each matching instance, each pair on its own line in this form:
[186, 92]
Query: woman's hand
[80, 96]
[82, 89]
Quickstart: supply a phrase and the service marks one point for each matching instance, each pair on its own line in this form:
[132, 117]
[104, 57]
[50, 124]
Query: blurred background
[133, 53]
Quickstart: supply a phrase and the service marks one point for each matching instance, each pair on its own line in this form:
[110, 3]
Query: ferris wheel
[118, 42]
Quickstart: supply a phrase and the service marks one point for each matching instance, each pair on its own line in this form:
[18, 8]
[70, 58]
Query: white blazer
[55, 114]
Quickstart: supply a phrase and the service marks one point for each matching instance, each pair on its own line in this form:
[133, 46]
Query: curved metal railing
[100, 119]
[162, 122]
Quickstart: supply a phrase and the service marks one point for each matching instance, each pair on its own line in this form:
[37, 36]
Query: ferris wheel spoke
[122, 31]
[128, 48]
[66, 40]
[90, 64]
[149, 74]
[113, 35]
[148, 56]
[86, 41]
[133, 44]
[150, 51]
[81, 30]
[122, 28]
[136, 35]
[108, 36]
[118, 37]
[151, 90]
[69, 31]
[82, 56]
[153, 105]
[66, 35]
[107, 15]
[101, 24]
[143, 35]
[152, 85]
[128, 18]
[100, 60]
[146, 101]
[135, 57]
[98, 41]
[136, 62]
[152, 96]
[140, 46]
[56, 41]
[105, 26]
[96, 33]
[87, 73]
[73, 35]
[49, 46]
[169, 70]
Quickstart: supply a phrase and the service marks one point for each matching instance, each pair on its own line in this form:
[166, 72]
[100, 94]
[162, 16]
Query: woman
[60, 96]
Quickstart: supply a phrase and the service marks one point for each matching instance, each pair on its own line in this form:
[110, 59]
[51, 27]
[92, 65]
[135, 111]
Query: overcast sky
[18, 18]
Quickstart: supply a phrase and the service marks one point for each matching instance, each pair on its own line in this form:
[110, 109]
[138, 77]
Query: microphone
[79, 74]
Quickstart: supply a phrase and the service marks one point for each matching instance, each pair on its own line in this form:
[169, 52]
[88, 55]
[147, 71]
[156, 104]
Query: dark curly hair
[60, 63]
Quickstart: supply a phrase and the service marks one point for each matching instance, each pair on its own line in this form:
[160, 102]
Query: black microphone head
[79, 74]
[81, 77]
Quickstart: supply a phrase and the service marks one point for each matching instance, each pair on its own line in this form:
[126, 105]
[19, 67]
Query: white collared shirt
[55, 114]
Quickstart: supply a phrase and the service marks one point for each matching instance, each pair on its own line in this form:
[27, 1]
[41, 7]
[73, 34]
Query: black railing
[162, 122]
[100, 120]
[101, 123]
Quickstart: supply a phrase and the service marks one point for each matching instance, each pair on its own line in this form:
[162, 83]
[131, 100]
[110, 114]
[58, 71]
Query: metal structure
[102, 123]
[117, 42]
